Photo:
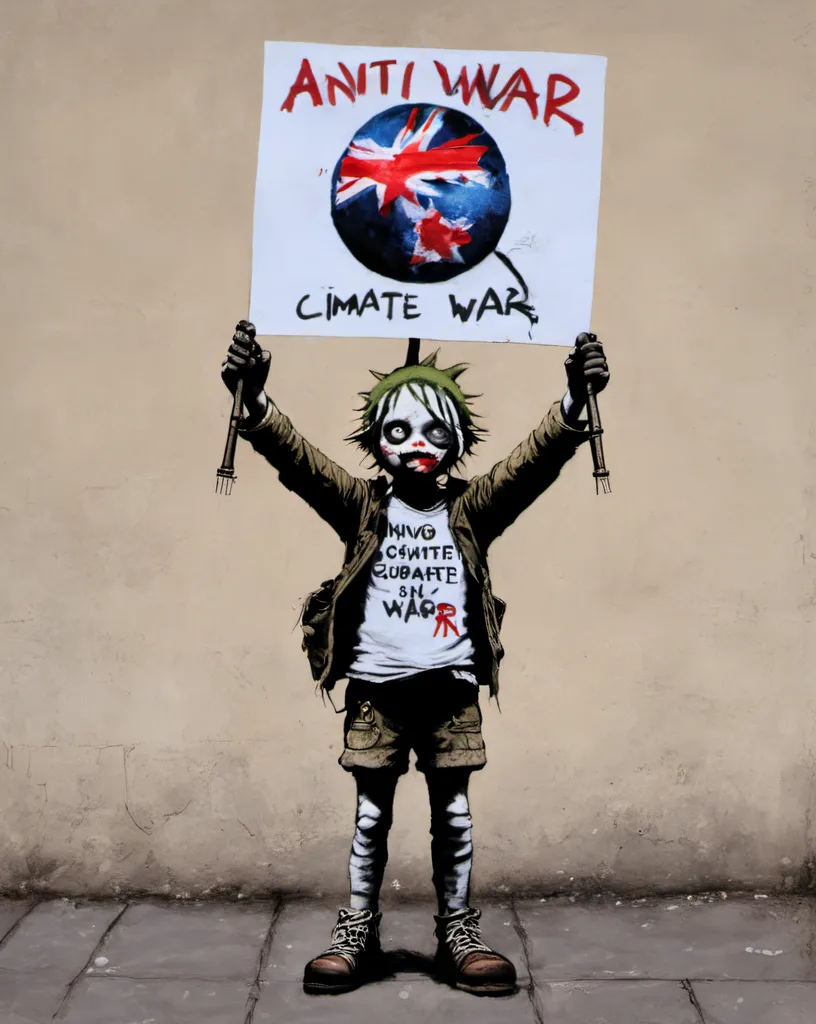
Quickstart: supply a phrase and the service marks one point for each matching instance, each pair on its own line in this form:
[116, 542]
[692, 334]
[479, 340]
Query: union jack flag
[408, 168]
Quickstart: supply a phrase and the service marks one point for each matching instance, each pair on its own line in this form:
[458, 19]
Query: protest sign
[447, 194]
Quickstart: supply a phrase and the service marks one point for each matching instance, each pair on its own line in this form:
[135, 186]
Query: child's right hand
[245, 361]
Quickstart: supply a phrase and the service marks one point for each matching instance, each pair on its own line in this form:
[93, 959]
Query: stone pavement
[712, 959]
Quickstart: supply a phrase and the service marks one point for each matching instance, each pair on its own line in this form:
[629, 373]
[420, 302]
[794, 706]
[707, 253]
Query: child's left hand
[586, 364]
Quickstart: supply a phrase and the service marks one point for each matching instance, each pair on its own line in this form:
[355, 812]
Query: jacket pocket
[318, 602]
[314, 622]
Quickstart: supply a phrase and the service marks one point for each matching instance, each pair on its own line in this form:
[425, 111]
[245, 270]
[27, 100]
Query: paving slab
[757, 1002]
[209, 941]
[32, 998]
[164, 1001]
[57, 935]
[617, 1002]
[303, 930]
[11, 911]
[285, 1002]
[726, 939]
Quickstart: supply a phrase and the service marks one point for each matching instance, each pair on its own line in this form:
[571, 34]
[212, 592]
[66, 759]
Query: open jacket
[479, 511]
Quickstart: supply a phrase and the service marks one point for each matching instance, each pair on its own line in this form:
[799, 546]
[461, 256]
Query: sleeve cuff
[244, 426]
[563, 413]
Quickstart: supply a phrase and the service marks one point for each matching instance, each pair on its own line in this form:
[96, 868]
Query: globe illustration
[421, 193]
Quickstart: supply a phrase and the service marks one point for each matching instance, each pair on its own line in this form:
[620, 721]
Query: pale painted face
[419, 437]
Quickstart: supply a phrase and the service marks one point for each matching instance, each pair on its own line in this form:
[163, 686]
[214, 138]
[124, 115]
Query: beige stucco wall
[158, 723]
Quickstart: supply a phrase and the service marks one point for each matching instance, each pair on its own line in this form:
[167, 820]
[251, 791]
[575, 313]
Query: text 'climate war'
[402, 305]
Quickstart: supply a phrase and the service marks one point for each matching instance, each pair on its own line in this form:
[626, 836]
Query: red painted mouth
[424, 463]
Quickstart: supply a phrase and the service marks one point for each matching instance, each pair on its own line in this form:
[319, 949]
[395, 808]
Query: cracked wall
[158, 726]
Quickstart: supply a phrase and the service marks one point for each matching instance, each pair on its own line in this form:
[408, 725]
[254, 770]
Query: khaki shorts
[435, 715]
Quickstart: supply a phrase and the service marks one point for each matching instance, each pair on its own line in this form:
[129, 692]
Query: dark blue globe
[421, 193]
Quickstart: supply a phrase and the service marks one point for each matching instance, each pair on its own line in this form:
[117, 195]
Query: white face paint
[420, 436]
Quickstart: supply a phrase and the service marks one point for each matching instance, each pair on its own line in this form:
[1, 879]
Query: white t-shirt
[414, 618]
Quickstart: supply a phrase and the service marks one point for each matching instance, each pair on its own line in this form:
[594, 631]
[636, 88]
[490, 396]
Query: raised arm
[336, 495]
[495, 500]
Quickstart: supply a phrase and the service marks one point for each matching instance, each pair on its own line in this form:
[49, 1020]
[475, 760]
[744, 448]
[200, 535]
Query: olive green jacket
[480, 510]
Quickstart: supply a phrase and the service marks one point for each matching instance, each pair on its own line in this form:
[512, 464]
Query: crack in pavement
[4, 940]
[688, 988]
[59, 1015]
[263, 959]
[531, 988]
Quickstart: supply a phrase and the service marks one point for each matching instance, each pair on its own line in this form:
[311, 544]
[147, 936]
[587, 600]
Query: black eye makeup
[397, 431]
[439, 435]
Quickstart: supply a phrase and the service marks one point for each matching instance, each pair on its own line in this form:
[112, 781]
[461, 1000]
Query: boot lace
[351, 934]
[463, 935]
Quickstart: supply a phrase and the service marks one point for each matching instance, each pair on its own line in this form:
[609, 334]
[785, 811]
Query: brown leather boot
[352, 958]
[464, 961]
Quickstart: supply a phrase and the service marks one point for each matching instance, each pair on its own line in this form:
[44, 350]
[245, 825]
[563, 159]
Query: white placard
[442, 194]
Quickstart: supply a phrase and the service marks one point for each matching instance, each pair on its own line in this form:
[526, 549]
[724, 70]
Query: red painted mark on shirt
[444, 613]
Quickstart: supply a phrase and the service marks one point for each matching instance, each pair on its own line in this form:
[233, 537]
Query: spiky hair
[418, 379]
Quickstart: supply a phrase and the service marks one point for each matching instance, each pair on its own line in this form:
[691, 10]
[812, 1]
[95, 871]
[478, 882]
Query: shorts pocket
[362, 732]
[469, 719]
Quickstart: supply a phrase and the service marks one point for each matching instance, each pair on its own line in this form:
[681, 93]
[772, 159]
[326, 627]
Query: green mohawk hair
[425, 373]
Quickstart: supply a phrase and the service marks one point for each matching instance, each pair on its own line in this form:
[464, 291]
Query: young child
[411, 621]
